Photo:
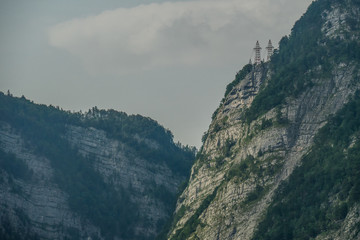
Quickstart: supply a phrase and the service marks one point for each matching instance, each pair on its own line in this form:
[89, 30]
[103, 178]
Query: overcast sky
[169, 60]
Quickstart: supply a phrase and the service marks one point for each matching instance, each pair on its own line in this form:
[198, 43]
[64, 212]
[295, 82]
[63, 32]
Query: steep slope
[103, 174]
[266, 127]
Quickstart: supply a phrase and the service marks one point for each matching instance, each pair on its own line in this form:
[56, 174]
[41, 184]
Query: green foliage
[266, 123]
[111, 209]
[293, 66]
[239, 76]
[280, 120]
[216, 111]
[340, 211]
[255, 167]
[204, 137]
[243, 169]
[224, 120]
[180, 213]
[191, 224]
[89, 196]
[217, 128]
[161, 193]
[226, 151]
[19, 232]
[302, 208]
[120, 126]
[171, 224]
[14, 166]
[256, 194]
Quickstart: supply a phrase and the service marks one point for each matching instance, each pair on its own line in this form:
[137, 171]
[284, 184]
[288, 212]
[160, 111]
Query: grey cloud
[156, 35]
[170, 60]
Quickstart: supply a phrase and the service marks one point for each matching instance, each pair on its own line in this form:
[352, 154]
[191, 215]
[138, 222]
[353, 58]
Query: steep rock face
[37, 205]
[242, 163]
[68, 176]
[277, 149]
[121, 166]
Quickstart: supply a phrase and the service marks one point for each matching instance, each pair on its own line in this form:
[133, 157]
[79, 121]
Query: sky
[168, 60]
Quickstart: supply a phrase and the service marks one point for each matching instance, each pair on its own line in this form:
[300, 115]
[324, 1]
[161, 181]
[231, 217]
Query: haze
[169, 60]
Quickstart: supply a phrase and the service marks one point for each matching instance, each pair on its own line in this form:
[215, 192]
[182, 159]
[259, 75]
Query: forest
[44, 127]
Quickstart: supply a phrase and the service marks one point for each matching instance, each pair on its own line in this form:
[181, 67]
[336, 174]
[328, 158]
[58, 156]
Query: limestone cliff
[266, 125]
[67, 176]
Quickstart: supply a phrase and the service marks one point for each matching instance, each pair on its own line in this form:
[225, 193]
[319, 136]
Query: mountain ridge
[266, 125]
[280, 159]
[102, 174]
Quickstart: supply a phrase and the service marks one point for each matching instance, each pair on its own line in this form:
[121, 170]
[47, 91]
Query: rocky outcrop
[39, 206]
[278, 148]
[120, 166]
[244, 163]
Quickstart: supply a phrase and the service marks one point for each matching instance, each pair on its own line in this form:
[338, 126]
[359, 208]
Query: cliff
[283, 141]
[99, 175]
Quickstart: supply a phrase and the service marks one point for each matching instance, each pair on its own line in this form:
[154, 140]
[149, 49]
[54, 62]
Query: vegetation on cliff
[319, 193]
[43, 128]
[306, 54]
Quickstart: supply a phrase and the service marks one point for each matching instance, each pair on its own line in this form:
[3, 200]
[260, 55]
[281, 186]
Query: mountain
[95, 175]
[281, 157]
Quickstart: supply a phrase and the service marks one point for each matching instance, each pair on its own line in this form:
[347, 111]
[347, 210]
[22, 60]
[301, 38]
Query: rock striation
[242, 163]
[38, 206]
[51, 170]
[120, 166]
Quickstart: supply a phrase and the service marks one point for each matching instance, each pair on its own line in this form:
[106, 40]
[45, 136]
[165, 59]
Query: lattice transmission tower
[257, 50]
[270, 50]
